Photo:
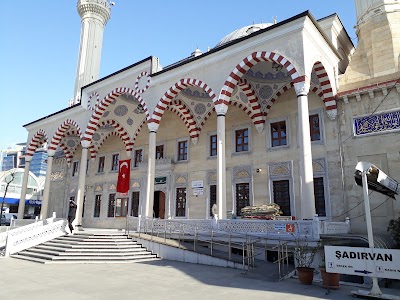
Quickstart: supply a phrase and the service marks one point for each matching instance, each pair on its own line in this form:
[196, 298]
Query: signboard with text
[371, 262]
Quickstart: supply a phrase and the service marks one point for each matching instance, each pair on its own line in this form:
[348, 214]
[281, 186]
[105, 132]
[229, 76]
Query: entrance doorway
[159, 205]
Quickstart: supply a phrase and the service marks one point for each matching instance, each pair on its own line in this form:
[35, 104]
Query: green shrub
[394, 230]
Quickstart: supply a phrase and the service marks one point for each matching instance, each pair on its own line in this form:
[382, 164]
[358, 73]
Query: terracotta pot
[330, 280]
[306, 275]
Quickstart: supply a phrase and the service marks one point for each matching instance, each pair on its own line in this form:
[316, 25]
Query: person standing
[71, 214]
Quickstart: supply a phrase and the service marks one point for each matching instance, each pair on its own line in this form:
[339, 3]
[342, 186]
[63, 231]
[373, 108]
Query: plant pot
[330, 280]
[306, 275]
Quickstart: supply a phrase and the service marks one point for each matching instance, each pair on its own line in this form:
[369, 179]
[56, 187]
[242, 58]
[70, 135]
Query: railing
[21, 238]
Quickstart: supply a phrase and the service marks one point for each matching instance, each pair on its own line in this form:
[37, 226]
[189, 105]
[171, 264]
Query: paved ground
[151, 280]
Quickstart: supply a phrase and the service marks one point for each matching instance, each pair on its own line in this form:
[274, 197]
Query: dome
[244, 31]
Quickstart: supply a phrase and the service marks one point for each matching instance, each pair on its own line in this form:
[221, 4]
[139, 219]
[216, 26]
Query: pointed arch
[326, 87]
[38, 139]
[256, 114]
[61, 130]
[173, 92]
[246, 64]
[102, 106]
[120, 131]
[186, 116]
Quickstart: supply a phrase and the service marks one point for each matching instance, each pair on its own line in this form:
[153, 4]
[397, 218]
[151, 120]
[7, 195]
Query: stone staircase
[88, 248]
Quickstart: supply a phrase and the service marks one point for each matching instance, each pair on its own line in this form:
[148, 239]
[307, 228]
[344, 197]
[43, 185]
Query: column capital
[50, 153]
[153, 126]
[221, 109]
[302, 88]
[28, 158]
[85, 143]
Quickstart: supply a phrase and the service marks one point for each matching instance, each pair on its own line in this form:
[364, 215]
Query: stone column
[81, 183]
[151, 170]
[21, 205]
[306, 171]
[221, 110]
[45, 202]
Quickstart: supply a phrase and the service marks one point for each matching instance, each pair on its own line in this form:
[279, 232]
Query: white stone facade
[277, 76]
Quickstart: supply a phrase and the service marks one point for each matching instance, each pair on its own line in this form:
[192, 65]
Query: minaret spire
[94, 16]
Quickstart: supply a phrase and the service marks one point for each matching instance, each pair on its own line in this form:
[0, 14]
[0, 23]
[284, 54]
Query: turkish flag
[124, 171]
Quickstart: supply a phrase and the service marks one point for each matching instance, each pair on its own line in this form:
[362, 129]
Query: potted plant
[304, 254]
[329, 280]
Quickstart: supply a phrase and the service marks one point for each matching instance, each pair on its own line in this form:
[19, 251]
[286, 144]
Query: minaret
[94, 15]
[376, 58]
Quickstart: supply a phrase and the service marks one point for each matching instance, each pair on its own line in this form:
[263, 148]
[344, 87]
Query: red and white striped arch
[119, 131]
[70, 151]
[90, 104]
[173, 92]
[315, 89]
[38, 140]
[137, 131]
[102, 106]
[326, 86]
[256, 114]
[60, 133]
[246, 64]
[181, 109]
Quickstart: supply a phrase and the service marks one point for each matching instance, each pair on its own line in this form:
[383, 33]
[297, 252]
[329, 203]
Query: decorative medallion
[200, 108]
[242, 174]
[265, 92]
[121, 110]
[71, 143]
[129, 98]
[314, 79]
[106, 113]
[243, 97]
[142, 82]
[181, 180]
[129, 121]
[98, 188]
[112, 187]
[279, 169]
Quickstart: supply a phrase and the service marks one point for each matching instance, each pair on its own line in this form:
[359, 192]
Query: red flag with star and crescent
[124, 171]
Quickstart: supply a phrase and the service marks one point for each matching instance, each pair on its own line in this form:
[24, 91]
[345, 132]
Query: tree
[9, 178]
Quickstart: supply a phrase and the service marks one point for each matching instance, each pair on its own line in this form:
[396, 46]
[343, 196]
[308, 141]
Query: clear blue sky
[40, 40]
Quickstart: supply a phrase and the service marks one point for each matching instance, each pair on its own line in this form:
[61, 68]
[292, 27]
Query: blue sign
[377, 123]
[15, 201]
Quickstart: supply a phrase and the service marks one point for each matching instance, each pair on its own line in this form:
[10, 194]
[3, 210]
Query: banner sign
[160, 180]
[372, 262]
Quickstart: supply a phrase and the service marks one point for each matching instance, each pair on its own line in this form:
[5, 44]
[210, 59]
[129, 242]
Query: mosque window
[138, 157]
[135, 204]
[182, 150]
[180, 209]
[102, 160]
[159, 151]
[278, 134]
[213, 197]
[75, 166]
[281, 194]
[111, 205]
[213, 145]
[242, 196]
[97, 205]
[319, 195]
[114, 162]
[315, 131]
[242, 140]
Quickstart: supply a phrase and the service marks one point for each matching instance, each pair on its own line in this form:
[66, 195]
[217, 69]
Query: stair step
[86, 240]
[80, 249]
[77, 258]
[92, 253]
[43, 261]
[83, 246]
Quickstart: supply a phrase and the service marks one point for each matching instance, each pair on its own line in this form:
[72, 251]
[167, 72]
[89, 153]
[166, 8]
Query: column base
[79, 227]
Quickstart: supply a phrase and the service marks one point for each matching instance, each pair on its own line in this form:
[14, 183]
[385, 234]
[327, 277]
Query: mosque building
[274, 113]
